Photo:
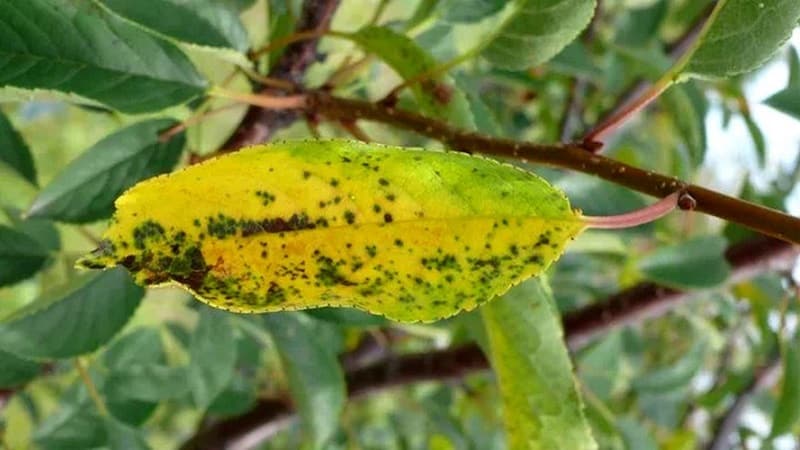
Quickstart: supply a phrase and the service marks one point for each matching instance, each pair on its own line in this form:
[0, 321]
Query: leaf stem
[90, 387]
[261, 100]
[639, 217]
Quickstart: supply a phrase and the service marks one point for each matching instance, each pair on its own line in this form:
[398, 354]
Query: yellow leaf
[410, 234]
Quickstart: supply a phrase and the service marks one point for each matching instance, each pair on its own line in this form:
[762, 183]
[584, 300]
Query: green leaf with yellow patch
[409, 234]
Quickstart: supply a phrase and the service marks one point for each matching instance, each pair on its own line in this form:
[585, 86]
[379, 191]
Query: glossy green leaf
[787, 412]
[20, 256]
[315, 376]
[786, 101]
[210, 23]
[16, 371]
[741, 36]
[697, 263]
[86, 189]
[74, 319]
[541, 402]
[437, 96]
[76, 47]
[212, 356]
[469, 10]
[410, 234]
[14, 151]
[534, 31]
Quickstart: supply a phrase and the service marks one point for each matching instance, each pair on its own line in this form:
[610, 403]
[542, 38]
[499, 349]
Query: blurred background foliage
[667, 383]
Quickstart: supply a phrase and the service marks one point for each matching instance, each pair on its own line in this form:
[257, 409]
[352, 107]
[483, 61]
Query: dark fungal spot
[334, 182]
[329, 275]
[383, 181]
[387, 218]
[372, 250]
[266, 197]
[349, 217]
[147, 231]
[376, 207]
[390, 197]
[398, 242]
[306, 174]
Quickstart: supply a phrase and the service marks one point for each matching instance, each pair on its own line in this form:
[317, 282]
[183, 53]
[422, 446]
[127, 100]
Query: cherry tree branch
[568, 156]
[260, 123]
[645, 300]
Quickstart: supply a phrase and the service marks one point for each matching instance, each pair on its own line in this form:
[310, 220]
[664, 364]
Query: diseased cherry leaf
[410, 234]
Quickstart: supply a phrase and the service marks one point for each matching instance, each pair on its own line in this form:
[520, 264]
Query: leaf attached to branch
[410, 234]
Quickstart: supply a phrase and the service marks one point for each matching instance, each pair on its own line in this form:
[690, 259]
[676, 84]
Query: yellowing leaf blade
[410, 234]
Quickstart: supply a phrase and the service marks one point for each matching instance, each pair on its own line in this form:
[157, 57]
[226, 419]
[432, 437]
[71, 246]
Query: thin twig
[90, 387]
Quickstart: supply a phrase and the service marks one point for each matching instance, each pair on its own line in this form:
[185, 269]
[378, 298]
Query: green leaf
[20, 256]
[141, 346]
[72, 320]
[211, 23]
[153, 383]
[436, 96]
[347, 316]
[787, 412]
[536, 30]
[541, 401]
[794, 67]
[76, 47]
[742, 35]
[315, 377]
[40, 230]
[469, 10]
[213, 356]
[759, 143]
[14, 151]
[673, 376]
[640, 26]
[410, 234]
[786, 101]
[71, 427]
[697, 263]
[16, 371]
[123, 437]
[86, 189]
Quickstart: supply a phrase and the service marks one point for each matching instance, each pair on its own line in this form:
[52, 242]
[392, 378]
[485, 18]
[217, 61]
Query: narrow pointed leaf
[742, 35]
[437, 96]
[20, 256]
[787, 101]
[410, 234]
[74, 320]
[14, 151]
[314, 373]
[536, 30]
[541, 402]
[76, 47]
[211, 23]
[86, 189]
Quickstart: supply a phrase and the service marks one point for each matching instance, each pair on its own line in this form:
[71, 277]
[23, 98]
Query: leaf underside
[410, 234]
